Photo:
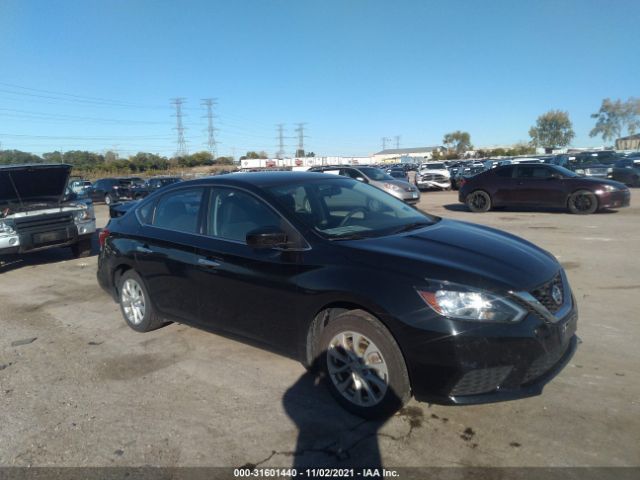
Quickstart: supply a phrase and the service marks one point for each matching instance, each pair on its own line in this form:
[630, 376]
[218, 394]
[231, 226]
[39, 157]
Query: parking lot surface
[79, 388]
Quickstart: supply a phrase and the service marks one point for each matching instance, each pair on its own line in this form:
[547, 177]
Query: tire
[82, 248]
[135, 303]
[582, 202]
[478, 201]
[373, 392]
[108, 200]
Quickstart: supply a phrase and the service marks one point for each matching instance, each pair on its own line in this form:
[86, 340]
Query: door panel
[244, 290]
[535, 186]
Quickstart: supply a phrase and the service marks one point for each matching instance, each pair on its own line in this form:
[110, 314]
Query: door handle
[143, 250]
[205, 262]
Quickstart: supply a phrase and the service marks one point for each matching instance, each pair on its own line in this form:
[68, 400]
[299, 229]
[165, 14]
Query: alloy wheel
[357, 368]
[582, 203]
[132, 300]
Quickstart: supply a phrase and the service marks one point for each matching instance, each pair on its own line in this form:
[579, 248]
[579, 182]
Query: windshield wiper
[411, 226]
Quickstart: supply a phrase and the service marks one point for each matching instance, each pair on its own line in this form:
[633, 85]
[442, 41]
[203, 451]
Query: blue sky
[95, 74]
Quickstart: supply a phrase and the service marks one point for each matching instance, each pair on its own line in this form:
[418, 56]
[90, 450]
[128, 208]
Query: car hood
[600, 181]
[33, 183]
[400, 183]
[464, 253]
[434, 171]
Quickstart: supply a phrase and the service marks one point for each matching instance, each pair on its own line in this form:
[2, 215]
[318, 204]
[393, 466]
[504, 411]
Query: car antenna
[15, 189]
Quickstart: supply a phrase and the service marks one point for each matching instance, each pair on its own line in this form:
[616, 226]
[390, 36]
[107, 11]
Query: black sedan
[541, 185]
[627, 171]
[382, 300]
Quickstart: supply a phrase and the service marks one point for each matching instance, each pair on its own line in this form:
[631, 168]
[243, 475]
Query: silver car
[376, 177]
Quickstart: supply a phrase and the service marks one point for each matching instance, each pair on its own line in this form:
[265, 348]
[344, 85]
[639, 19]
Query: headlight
[6, 227]
[580, 171]
[609, 188]
[392, 186]
[466, 303]
[85, 213]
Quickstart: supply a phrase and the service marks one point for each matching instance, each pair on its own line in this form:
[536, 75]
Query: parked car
[38, 211]
[541, 186]
[589, 165]
[465, 172]
[79, 185]
[627, 171]
[155, 183]
[110, 190]
[398, 188]
[384, 300]
[399, 174]
[433, 175]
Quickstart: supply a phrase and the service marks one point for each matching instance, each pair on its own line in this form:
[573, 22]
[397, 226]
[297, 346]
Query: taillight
[104, 233]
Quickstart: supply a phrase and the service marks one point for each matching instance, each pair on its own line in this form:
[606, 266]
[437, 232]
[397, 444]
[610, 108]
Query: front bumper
[433, 184]
[34, 241]
[407, 197]
[617, 199]
[473, 364]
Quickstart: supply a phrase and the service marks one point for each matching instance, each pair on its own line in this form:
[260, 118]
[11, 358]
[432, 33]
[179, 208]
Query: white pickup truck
[38, 211]
[433, 175]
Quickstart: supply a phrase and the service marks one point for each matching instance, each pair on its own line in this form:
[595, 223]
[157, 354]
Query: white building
[418, 153]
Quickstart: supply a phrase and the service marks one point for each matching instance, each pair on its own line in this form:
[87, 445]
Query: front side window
[232, 214]
[533, 172]
[179, 210]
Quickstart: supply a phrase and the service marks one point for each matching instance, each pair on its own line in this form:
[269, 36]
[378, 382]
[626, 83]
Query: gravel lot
[79, 388]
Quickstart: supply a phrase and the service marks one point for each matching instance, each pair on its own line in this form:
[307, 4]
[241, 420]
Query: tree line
[554, 129]
[110, 162]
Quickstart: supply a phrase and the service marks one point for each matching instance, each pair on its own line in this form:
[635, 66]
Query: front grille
[596, 171]
[434, 177]
[43, 222]
[544, 294]
[543, 364]
[481, 380]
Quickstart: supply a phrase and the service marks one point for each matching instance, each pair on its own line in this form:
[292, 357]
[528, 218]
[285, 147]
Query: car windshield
[341, 209]
[376, 174]
[398, 173]
[434, 166]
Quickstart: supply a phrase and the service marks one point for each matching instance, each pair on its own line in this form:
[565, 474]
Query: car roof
[256, 179]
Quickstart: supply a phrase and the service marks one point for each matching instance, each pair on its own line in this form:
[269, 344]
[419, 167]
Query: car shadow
[460, 207]
[328, 435]
[12, 261]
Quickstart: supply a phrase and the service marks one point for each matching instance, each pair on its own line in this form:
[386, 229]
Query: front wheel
[108, 200]
[135, 304]
[363, 366]
[583, 202]
[478, 201]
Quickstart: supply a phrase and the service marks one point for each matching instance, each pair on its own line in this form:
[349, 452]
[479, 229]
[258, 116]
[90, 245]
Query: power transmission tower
[211, 139]
[384, 142]
[397, 139]
[301, 137]
[280, 152]
[181, 144]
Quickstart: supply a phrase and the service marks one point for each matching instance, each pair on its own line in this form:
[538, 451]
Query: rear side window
[179, 210]
[504, 172]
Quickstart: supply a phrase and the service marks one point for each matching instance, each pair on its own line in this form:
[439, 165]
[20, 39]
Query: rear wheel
[478, 201]
[135, 304]
[108, 199]
[583, 202]
[363, 366]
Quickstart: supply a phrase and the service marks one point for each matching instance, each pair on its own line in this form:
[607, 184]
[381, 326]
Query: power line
[181, 150]
[211, 139]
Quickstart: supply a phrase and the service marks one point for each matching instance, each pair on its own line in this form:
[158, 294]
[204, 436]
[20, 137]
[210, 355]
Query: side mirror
[361, 179]
[268, 237]
[555, 176]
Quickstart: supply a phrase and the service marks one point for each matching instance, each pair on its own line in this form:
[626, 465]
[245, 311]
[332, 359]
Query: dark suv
[627, 171]
[110, 190]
